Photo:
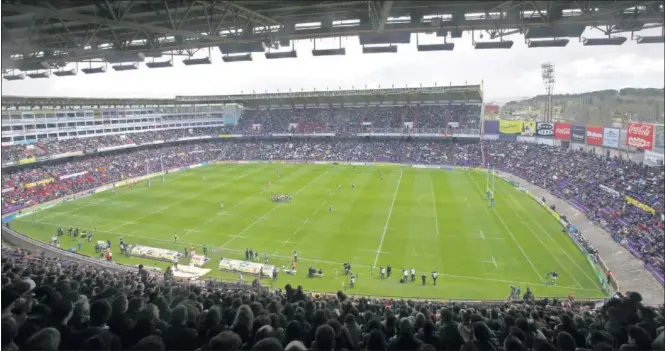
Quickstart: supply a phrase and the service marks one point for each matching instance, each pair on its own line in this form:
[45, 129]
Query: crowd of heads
[54, 304]
[577, 176]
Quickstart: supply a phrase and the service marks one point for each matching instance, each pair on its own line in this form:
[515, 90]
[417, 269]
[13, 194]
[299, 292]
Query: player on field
[553, 276]
[175, 237]
[265, 258]
[381, 173]
[434, 276]
[353, 185]
[330, 208]
[295, 256]
[339, 186]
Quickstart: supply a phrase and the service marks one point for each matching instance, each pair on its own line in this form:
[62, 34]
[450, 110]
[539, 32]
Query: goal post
[489, 185]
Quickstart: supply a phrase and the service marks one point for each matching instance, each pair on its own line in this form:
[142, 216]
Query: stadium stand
[56, 304]
[64, 303]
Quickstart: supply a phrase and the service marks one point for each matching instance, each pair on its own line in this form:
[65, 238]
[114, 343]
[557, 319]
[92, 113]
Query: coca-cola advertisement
[562, 131]
[594, 135]
[640, 135]
[578, 134]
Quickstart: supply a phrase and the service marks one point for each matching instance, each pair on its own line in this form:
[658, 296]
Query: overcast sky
[506, 73]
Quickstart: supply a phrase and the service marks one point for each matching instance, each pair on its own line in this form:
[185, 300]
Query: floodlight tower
[547, 73]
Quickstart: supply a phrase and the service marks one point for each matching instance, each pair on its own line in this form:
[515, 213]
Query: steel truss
[34, 34]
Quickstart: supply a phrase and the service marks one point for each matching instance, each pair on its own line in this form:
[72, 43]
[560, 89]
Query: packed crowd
[52, 147]
[52, 304]
[573, 175]
[297, 120]
[595, 185]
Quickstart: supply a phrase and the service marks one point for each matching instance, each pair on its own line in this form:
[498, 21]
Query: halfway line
[390, 213]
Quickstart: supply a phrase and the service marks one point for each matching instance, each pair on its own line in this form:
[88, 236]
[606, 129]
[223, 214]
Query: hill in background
[604, 107]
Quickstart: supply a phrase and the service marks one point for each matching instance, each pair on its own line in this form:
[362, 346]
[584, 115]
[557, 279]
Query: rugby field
[414, 218]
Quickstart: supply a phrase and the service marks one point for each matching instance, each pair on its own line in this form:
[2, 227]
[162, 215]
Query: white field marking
[189, 198]
[385, 252]
[191, 231]
[482, 235]
[284, 242]
[384, 228]
[225, 211]
[271, 210]
[436, 214]
[390, 213]
[90, 203]
[593, 282]
[323, 203]
[473, 237]
[510, 232]
[322, 261]
[493, 260]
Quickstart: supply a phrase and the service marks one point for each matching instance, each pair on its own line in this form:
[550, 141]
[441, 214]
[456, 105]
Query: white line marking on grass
[91, 202]
[272, 210]
[510, 232]
[318, 260]
[385, 252]
[390, 213]
[493, 260]
[478, 237]
[512, 198]
[187, 198]
[436, 214]
[482, 235]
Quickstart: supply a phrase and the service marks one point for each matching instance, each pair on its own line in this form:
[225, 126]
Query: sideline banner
[610, 191]
[510, 127]
[545, 129]
[659, 138]
[491, 127]
[578, 134]
[25, 161]
[227, 264]
[594, 135]
[154, 253]
[611, 137]
[640, 205]
[562, 131]
[640, 135]
[41, 182]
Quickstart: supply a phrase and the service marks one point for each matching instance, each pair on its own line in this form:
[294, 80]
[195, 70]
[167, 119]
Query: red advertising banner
[640, 135]
[562, 131]
[594, 135]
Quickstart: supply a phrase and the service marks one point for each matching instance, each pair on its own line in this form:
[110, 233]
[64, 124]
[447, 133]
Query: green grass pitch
[422, 218]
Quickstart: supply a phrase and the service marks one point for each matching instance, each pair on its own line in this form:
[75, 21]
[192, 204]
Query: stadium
[360, 219]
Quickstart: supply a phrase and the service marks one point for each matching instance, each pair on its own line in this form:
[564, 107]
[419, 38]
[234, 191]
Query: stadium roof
[439, 93]
[47, 35]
